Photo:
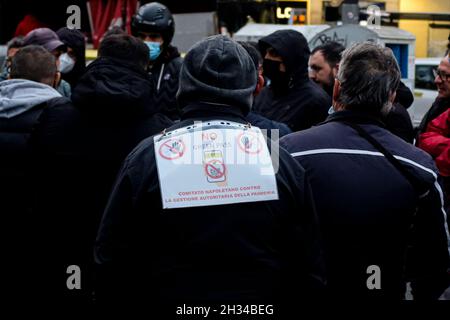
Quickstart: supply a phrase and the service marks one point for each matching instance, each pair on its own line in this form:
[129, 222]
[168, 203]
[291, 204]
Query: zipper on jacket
[159, 78]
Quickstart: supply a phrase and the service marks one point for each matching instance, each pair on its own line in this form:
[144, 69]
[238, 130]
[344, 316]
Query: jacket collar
[355, 117]
[208, 111]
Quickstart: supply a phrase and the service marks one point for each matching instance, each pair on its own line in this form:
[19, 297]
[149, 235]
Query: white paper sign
[214, 163]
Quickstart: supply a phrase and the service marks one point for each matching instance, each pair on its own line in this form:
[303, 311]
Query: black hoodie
[303, 104]
[74, 39]
[164, 75]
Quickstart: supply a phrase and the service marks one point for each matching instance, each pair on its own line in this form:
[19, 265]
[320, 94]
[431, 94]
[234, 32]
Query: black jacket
[25, 233]
[165, 76]
[398, 121]
[236, 252]
[301, 105]
[263, 123]
[114, 113]
[366, 207]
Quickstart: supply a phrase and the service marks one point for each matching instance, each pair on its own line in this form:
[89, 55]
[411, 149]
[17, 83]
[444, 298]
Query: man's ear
[392, 96]
[57, 80]
[259, 84]
[336, 91]
[335, 70]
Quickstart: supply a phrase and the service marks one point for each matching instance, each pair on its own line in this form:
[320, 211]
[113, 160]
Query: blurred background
[428, 20]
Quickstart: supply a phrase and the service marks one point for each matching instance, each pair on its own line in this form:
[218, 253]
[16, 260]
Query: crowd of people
[80, 183]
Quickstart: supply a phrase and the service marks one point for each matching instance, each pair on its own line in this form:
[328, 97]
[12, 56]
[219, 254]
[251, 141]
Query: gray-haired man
[370, 187]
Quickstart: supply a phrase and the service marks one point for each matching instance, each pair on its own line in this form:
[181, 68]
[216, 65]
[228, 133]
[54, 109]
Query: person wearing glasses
[435, 137]
[442, 102]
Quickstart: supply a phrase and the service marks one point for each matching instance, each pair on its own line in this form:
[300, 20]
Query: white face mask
[331, 110]
[66, 63]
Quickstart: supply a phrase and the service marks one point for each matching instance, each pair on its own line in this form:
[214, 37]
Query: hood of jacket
[218, 71]
[167, 55]
[114, 88]
[75, 40]
[17, 96]
[293, 49]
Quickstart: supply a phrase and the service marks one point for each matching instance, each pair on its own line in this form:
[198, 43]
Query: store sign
[286, 14]
[292, 12]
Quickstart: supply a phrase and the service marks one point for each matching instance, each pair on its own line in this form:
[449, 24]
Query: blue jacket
[366, 208]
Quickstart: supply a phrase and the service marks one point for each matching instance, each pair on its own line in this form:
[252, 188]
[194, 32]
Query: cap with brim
[44, 37]
[53, 45]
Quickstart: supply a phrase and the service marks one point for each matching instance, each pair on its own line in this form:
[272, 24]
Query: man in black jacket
[115, 112]
[291, 97]
[215, 243]
[27, 100]
[370, 187]
[155, 25]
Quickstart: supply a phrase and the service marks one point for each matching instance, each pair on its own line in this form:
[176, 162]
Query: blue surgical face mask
[155, 49]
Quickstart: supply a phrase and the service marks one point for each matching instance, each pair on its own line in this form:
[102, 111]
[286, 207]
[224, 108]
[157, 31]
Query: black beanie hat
[218, 70]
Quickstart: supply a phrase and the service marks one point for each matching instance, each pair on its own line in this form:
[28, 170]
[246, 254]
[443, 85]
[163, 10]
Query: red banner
[105, 15]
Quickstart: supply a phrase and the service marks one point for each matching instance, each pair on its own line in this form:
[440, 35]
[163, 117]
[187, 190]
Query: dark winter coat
[366, 208]
[398, 121]
[28, 238]
[114, 113]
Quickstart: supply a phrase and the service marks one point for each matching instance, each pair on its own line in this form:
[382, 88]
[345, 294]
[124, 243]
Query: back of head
[74, 39]
[15, 43]
[293, 48]
[126, 48]
[218, 70]
[112, 31]
[154, 17]
[331, 51]
[34, 63]
[368, 75]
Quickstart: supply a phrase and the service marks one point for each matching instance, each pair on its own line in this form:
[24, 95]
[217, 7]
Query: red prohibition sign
[172, 149]
[217, 167]
[248, 145]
